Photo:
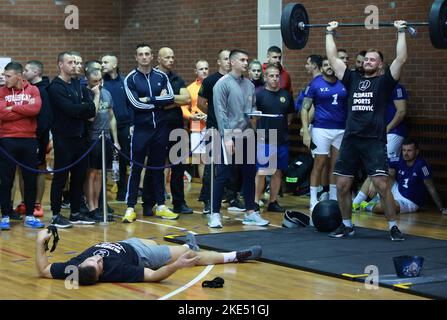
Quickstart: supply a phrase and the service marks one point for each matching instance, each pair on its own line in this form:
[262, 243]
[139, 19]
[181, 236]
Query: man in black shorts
[133, 260]
[365, 134]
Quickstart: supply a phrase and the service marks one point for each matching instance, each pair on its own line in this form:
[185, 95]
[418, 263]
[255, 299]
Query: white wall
[269, 12]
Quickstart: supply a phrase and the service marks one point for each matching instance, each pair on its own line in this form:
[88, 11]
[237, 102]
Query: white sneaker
[214, 220]
[261, 203]
[254, 219]
[324, 196]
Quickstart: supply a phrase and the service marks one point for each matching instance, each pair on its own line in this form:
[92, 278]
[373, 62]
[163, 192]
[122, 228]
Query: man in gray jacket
[234, 97]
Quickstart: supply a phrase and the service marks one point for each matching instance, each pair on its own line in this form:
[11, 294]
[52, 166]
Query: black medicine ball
[326, 216]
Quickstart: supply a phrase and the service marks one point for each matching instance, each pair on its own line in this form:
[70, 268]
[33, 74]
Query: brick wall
[424, 73]
[34, 29]
[193, 29]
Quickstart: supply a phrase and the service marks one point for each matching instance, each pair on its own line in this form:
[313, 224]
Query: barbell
[295, 25]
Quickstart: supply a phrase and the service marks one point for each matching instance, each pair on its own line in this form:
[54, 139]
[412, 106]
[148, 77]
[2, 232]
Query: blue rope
[125, 156]
[49, 171]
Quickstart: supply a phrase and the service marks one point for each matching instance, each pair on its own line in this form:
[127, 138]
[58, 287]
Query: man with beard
[328, 95]
[365, 133]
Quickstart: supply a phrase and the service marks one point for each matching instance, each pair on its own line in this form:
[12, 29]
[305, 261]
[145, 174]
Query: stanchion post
[212, 171]
[104, 179]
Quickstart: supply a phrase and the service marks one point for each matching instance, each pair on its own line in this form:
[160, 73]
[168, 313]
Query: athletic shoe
[65, 202]
[251, 253]
[395, 234]
[183, 208]
[130, 216]
[342, 231]
[254, 219]
[324, 196]
[98, 216]
[4, 224]
[33, 222]
[236, 206]
[275, 207]
[60, 221]
[191, 242]
[214, 220]
[206, 207]
[21, 209]
[363, 205]
[165, 213]
[355, 207]
[14, 215]
[109, 209]
[38, 210]
[261, 203]
[83, 208]
[80, 218]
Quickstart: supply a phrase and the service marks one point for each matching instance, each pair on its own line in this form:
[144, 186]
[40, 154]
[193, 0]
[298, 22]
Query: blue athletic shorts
[278, 153]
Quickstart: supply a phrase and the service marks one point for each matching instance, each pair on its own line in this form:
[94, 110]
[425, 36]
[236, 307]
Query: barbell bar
[295, 25]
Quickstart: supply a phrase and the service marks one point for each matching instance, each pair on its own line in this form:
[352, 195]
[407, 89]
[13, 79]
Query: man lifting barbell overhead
[365, 134]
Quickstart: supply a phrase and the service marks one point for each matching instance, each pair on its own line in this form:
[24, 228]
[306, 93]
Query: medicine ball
[326, 216]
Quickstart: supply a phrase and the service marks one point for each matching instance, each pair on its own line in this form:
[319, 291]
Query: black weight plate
[437, 24]
[292, 36]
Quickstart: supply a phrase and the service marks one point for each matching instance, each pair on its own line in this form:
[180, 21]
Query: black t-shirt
[274, 102]
[174, 116]
[121, 263]
[206, 91]
[368, 98]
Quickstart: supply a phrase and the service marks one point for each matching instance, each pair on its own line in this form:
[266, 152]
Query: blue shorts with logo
[272, 156]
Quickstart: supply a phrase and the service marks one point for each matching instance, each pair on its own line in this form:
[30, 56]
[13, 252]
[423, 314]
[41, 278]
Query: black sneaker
[395, 234]
[206, 207]
[14, 215]
[183, 209]
[98, 216]
[275, 207]
[147, 210]
[251, 253]
[342, 232]
[60, 221]
[80, 218]
[236, 205]
[109, 209]
[84, 208]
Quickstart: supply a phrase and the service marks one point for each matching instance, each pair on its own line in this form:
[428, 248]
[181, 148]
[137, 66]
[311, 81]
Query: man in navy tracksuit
[114, 83]
[148, 91]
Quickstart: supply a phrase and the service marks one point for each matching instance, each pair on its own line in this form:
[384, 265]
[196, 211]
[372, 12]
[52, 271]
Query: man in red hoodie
[20, 104]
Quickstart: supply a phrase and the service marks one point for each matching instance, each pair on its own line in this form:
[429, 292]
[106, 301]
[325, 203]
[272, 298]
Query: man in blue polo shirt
[329, 97]
[413, 182]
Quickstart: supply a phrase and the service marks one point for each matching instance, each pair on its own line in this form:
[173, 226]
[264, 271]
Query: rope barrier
[49, 171]
[125, 156]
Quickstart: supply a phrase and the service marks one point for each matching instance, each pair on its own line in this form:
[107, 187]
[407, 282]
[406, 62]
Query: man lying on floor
[133, 260]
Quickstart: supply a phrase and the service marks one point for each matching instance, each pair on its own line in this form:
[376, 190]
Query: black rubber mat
[306, 249]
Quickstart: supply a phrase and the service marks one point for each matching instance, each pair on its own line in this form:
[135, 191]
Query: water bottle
[115, 167]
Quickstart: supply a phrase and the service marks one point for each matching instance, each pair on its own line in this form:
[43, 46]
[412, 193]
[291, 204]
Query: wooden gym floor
[253, 280]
